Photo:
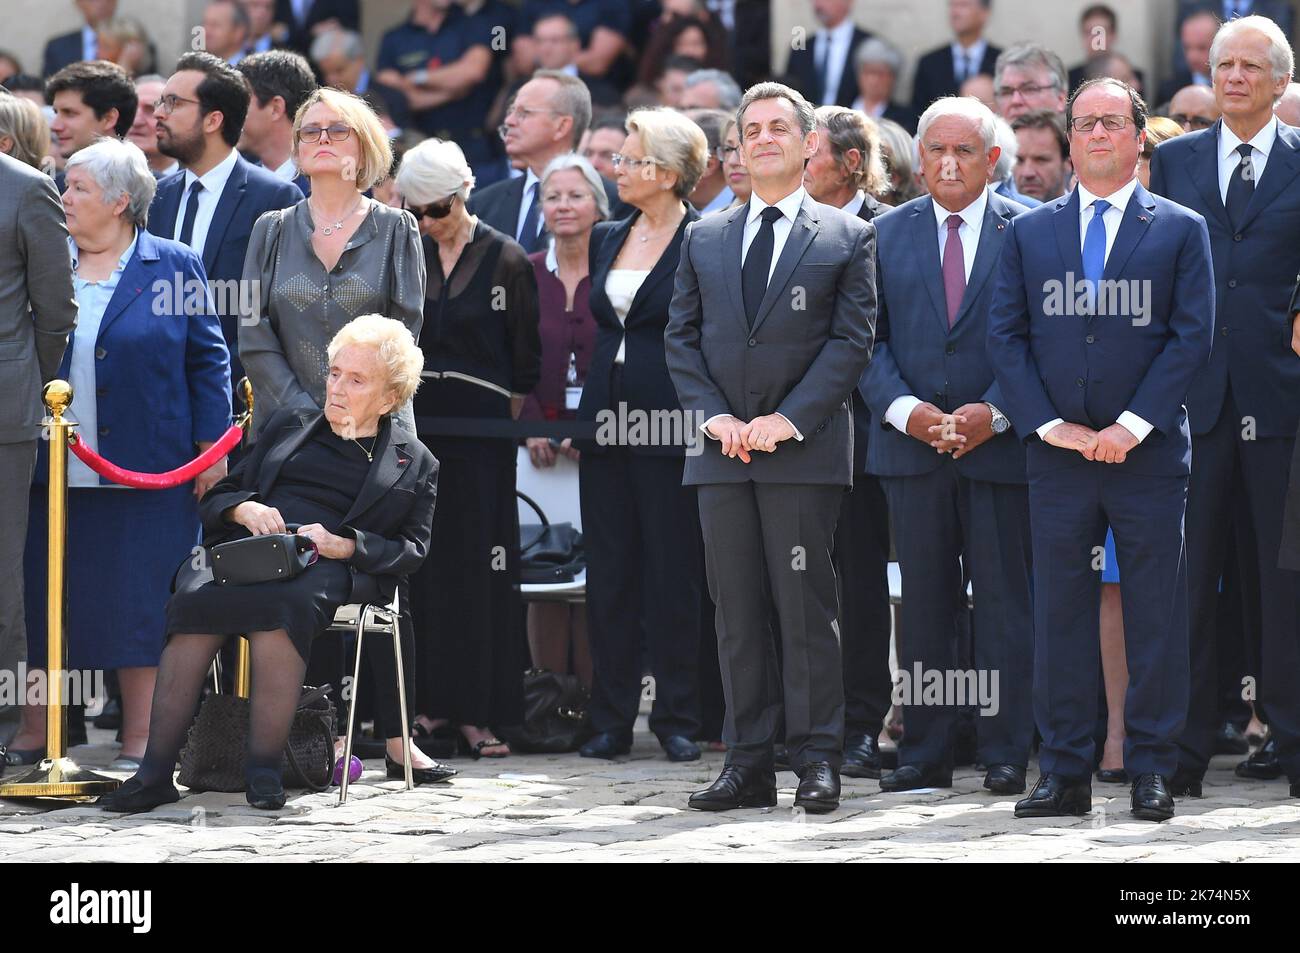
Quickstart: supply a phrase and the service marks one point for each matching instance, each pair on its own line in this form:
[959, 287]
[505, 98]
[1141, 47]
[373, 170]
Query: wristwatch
[1000, 424]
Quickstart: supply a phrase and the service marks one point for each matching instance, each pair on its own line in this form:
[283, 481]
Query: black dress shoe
[1057, 796]
[604, 745]
[110, 718]
[265, 792]
[912, 776]
[1230, 740]
[781, 758]
[1151, 798]
[861, 757]
[1295, 788]
[1112, 776]
[133, 797]
[1183, 783]
[439, 772]
[1005, 779]
[819, 788]
[737, 786]
[681, 748]
[1262, 765]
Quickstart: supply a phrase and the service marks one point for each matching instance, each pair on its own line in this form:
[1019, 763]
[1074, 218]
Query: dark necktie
[528, 231]
[191, 212]
[758, 262]
[954, 268]
[960, 68]
[1241, 186]
[1094, 249]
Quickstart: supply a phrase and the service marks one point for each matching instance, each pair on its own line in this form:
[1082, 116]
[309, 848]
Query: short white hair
[875, 50]
[728, 89]
[119, 168]
[1280, 55]
[571, 160]
[965, 106]
[433, 170]
[394, 344]
[1010, 146]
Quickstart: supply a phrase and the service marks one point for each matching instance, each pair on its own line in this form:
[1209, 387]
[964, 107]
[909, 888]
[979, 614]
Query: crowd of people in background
[556, 152]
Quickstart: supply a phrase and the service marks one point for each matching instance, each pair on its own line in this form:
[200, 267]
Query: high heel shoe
[265, 792]
[439, 772]
[1112, 776]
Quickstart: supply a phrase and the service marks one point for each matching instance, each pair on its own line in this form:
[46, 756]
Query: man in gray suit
[770, 327]
[37, 313]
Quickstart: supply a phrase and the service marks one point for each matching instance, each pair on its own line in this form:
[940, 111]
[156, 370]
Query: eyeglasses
[726, 152]
[338, 132]
[435, 211]
[1192, 122]
[1088, 123]
[520, 114]
[1027, 90]
[168, 103]
[619, 160]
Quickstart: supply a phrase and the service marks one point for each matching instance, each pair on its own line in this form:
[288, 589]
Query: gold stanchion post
[58, 776]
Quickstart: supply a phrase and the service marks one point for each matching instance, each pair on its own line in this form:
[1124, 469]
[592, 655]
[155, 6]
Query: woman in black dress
[482, 356]
[362, 491]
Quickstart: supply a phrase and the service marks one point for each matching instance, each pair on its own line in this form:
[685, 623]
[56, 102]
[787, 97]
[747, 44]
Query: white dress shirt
[968, 58]
[720, 201]
[1230, 159]
[214, 183]
[1118, 200]
[854, 205]
[89, 43]
[287, 170]
[972, 223]
[789, 207]
[836, 44]
[531, 182]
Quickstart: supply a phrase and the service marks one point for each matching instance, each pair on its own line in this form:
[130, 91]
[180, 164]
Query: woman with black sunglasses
[482, 356]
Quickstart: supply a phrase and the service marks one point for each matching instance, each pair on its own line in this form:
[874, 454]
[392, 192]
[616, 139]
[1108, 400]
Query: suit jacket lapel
[925, 237]
[390, 463]
[1138, 215]
[992, 232]
[1066, 220]
[134, 280]
[1203, 166]
[163, 219]
[806, 225]
[231, 196]
[665, 267]
[269, 472]
[733, 239]
[1281, 169]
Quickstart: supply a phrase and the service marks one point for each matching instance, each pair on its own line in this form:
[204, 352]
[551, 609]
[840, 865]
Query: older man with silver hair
[1243, 410]
[711, 89]
[1029, 76]
[341, 56]
[877, 64]
[961, 513]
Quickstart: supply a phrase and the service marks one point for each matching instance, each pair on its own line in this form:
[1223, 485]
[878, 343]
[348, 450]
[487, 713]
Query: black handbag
[268, 558]
[555, 714]
[548, 552]
[214, 753]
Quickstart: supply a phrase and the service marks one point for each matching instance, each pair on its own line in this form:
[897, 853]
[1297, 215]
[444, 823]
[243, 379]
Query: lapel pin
[1142, 218]
[1001, 225]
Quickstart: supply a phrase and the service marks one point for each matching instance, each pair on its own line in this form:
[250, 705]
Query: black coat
[801, 71]
[498, 204]
[936, 75]
[390, 522]
[646, 384]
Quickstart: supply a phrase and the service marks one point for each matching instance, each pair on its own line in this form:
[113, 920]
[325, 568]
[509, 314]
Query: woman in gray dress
[314, 267]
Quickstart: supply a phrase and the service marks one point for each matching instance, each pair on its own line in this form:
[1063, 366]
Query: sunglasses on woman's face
[437, 210]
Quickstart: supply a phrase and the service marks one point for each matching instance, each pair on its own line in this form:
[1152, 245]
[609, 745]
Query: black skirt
[303, 606]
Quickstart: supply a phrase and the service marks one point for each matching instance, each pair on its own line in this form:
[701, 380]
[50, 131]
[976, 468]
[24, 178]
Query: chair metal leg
[401, 699]
[352, 707]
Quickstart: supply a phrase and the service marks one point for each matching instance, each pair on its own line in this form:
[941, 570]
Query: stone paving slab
[566, 808]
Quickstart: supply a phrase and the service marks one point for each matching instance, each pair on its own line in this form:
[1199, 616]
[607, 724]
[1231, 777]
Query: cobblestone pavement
[569, 808]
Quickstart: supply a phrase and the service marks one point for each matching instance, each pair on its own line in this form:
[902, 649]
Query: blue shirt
[92, 301]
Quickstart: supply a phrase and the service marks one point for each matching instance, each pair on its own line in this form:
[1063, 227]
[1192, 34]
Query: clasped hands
[957, 433]
[262, 520]
[762, 433]
[1110, 445]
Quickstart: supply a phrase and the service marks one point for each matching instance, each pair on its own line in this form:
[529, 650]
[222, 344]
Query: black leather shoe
[1230, 740]
[781, 758]
[439, 772]
[1112, 776]
[265, 792]
[861, 757]
[1005, 779]
[134, 798]
[1262, 765]
[1183, 783]
[912, 776]
[681, 748]
[1151, 798]
[819, 788]
[1295, 788]
[604, 745]
[737, 786]
[1055, 795]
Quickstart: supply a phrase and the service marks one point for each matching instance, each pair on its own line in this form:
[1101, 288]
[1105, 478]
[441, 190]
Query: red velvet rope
[158, 481]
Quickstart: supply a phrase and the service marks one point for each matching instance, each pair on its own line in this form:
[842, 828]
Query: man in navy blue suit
[963, 510]
[212, 203]
[1243, 175]
[1101, 318]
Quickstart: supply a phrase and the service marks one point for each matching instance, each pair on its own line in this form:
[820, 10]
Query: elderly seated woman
[361, 489]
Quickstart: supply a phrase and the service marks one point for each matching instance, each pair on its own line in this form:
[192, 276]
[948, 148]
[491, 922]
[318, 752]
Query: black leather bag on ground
[555, 714]
[548, 552]
[256, 559]
[214, 754]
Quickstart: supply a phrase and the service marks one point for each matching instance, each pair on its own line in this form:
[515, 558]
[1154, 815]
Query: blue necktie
[528, 231]
[191, 212]
[1094, 247]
